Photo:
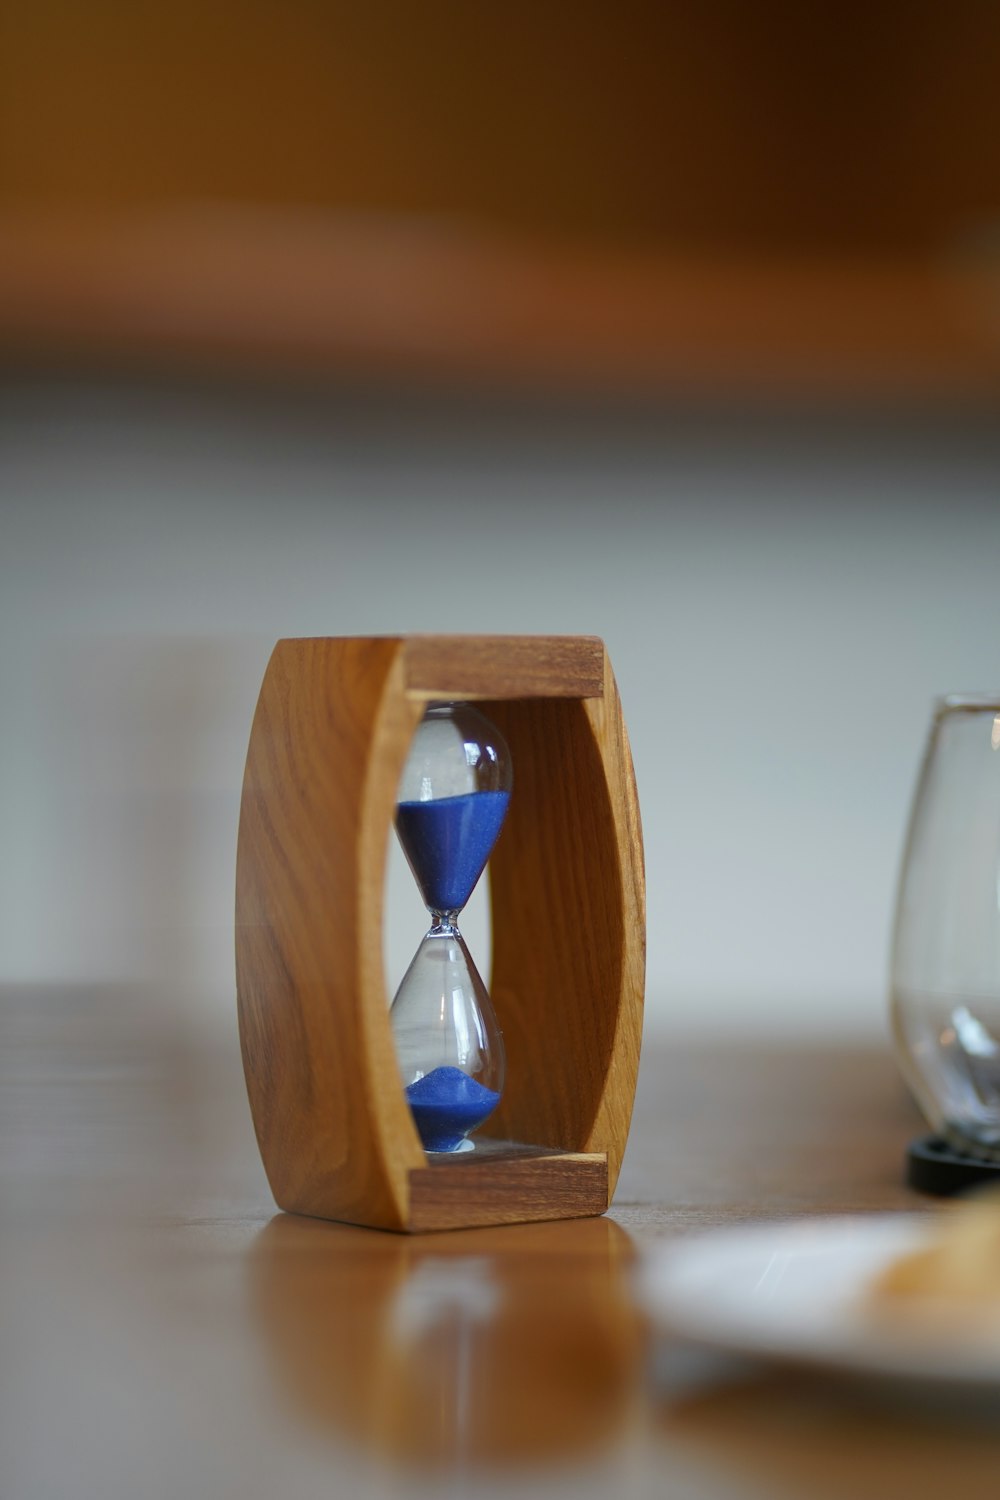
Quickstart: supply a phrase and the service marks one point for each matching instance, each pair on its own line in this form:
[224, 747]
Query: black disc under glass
[934, 1166]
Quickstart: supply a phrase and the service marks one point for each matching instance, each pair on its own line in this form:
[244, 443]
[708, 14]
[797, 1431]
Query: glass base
[933, 1165]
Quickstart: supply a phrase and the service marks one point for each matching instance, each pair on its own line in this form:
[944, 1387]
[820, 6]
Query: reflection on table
[487, 1346]
[166, 1334]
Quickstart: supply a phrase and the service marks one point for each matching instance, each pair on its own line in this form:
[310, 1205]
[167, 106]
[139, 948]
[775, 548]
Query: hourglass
[418, 1117]
[453, 799]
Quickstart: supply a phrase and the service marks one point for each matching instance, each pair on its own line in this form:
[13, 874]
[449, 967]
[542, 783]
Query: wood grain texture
[332, 1123]
[328, 743]
[568, 902]
[504, 666]
[321, 1359]
[502, 1183]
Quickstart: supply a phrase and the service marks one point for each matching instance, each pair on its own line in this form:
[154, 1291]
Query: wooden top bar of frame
[501, 666]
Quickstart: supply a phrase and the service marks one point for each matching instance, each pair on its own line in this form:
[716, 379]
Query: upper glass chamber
[452, 800]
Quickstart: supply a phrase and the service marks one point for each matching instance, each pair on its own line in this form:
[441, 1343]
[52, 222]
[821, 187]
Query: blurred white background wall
[781, 600]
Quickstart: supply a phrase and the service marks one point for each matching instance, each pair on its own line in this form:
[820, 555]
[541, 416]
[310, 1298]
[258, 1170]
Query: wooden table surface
[165, 1332]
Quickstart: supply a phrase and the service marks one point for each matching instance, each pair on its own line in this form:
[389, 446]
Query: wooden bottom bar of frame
[504, 1182]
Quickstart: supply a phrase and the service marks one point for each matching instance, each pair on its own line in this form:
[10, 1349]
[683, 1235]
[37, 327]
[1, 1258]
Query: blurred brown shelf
[284, 291]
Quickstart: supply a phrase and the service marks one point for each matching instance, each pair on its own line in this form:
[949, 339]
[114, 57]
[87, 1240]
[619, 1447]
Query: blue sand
[448, 842]
[446, 1104]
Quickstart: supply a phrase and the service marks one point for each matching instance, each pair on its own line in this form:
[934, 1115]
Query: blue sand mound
[446, 1104]
[448, 842]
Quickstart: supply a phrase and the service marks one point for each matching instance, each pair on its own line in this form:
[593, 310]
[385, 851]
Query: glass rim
[966, 703]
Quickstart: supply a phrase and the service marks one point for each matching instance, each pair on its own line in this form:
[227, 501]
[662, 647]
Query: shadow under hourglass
[486, 1346]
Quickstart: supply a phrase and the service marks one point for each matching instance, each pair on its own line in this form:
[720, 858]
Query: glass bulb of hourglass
[453, 797]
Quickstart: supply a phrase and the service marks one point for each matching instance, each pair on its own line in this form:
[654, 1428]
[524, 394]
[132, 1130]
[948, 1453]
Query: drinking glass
[946, 951]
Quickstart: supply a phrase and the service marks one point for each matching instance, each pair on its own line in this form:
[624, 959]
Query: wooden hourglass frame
[330, 736]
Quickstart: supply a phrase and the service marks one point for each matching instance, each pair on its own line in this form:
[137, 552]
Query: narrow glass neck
[444, 923]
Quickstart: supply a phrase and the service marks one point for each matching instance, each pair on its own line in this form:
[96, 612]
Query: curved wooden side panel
[328, 741]
[612, 1119]
[568, 904]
